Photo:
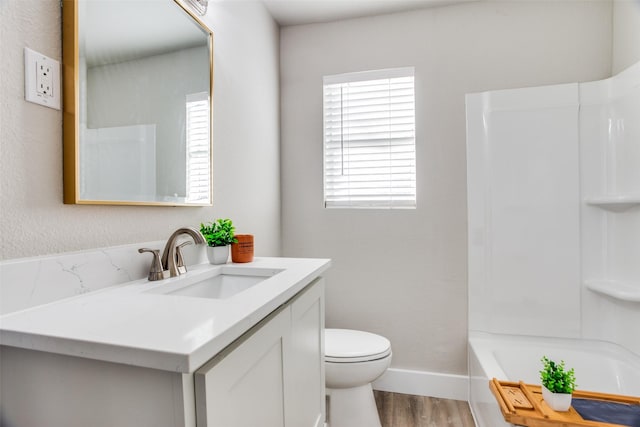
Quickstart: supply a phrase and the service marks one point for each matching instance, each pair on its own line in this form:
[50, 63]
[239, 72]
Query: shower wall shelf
[614, 203]
[624, 291]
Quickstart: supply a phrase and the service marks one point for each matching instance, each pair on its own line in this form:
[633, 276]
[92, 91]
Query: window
[369, 140]
[198, 157]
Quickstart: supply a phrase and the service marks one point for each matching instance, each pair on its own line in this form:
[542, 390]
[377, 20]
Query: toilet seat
[349, 346]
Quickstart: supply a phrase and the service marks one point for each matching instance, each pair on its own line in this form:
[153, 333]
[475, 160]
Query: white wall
[33, 219]
[626, 34]
[403, 273]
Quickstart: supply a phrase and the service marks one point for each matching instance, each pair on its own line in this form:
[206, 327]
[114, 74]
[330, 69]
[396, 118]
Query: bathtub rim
[482, 353]
[478, 341]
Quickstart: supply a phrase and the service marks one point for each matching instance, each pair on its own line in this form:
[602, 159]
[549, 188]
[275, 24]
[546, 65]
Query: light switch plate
[41, 79]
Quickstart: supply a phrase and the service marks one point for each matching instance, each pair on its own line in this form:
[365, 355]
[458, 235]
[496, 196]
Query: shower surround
[554, 232]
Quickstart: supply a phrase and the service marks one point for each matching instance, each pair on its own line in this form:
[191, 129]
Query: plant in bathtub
[219, 234]
[558, 384]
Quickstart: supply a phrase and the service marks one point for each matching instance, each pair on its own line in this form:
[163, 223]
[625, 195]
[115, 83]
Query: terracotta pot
[243, 250]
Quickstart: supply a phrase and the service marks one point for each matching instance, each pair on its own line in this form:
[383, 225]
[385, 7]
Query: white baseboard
[422, 383]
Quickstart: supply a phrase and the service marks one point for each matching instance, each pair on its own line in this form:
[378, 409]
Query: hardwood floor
[405, 410]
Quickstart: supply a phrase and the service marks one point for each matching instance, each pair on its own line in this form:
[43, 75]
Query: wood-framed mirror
[137, 103]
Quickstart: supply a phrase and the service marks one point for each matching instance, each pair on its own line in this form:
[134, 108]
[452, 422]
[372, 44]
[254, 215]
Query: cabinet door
[243, 386]
[304, 373]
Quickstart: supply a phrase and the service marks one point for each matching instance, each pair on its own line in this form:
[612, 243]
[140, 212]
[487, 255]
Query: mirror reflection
[144, 71]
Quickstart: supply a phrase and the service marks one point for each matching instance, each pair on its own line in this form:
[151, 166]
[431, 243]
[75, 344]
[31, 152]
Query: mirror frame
[71, 115]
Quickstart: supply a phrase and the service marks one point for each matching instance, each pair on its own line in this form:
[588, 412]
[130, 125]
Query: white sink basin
[219, 284]
[219, 287]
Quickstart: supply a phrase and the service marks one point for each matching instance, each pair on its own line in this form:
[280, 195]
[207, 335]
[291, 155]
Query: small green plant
[556, 378]
[219, 232]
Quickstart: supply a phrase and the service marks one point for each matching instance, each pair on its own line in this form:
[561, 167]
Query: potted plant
[558, 384]
[219, 234]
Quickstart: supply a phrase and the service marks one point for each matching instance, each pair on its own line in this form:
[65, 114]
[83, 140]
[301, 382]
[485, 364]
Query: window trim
[193, 194]
[364, 76]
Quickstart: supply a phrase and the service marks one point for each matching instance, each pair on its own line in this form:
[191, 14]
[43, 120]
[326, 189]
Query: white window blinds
[369, 140]
[198, 155]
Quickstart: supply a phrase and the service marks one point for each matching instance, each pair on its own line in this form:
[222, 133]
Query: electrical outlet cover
[41, 79]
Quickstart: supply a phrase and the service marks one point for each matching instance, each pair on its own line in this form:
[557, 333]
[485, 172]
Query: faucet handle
[155, 272]
[182, 268]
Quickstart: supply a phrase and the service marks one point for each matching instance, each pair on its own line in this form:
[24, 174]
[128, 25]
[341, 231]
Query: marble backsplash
[28, 282]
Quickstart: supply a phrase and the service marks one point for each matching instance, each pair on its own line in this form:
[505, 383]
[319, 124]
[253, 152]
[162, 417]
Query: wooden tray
[522, 404]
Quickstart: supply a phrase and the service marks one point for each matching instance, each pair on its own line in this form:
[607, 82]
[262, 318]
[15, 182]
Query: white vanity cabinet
[273, 375]
[305, 384]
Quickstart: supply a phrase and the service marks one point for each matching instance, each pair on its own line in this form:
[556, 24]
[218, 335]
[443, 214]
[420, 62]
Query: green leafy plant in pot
[558, 384]
[219, 234]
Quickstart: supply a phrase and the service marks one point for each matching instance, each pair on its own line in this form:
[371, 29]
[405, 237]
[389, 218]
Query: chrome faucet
[170, 254]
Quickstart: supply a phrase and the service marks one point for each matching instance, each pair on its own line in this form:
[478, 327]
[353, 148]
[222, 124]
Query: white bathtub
[599, 366]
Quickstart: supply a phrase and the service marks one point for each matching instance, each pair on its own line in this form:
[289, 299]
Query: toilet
[353, 360]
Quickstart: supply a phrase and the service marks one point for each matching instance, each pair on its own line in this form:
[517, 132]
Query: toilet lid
[346, 345]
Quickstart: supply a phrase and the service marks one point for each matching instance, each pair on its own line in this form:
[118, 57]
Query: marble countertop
[136, 324]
